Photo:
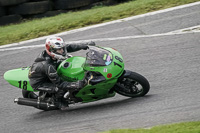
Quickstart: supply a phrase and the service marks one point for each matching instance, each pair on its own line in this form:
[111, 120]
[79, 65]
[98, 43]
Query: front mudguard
[126, 73]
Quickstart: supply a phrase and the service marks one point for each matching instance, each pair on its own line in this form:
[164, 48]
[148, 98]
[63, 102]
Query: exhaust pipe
[35, 103]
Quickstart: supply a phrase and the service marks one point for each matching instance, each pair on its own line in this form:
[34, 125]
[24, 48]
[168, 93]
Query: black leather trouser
[47, 87]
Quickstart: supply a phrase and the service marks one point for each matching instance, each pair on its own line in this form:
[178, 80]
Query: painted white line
[103, 24]
[23, 47]
[194, 28]
[111, 39]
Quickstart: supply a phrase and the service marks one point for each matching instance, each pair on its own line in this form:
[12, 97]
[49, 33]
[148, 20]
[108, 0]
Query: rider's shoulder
[42, 57]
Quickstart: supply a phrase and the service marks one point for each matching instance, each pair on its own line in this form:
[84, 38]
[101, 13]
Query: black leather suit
[43, 75]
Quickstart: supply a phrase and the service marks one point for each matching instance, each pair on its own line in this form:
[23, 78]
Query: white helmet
[52, 45]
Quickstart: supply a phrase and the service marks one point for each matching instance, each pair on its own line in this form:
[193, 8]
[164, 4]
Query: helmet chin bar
[69, 56]
[58, 57]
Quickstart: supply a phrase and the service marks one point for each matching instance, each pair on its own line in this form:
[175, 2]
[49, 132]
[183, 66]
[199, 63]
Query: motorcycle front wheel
[132, 85]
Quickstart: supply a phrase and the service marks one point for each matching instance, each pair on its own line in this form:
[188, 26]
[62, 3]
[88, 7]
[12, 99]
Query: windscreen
[98, 57]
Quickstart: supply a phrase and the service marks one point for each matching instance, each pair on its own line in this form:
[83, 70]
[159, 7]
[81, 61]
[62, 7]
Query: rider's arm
[52, 74]
[72, 47]
[63, 85]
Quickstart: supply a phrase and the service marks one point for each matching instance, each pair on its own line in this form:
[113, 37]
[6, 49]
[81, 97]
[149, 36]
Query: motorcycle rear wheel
[132, 85]
[29, 94]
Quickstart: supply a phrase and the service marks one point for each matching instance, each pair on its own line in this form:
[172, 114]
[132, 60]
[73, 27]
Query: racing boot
[64, 105]
[74, 86]
[62, 102]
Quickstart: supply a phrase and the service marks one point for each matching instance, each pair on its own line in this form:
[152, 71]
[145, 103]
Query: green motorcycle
[103, 73]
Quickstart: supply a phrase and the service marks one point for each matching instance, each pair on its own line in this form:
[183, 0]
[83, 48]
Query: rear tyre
[29, 94]
[132, 85]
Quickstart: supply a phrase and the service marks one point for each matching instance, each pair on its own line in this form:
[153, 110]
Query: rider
[43, 75]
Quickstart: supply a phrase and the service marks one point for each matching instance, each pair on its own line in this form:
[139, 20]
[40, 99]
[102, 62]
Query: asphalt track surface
[169, 60]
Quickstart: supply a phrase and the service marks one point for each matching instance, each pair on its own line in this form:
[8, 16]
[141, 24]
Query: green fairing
[74, 69]
[19, 78]
[92, 93]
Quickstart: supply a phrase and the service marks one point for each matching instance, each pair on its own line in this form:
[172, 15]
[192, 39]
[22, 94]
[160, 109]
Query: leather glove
[91, 43]
[85, 47]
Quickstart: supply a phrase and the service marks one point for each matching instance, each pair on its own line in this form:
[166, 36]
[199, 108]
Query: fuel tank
[72, 69]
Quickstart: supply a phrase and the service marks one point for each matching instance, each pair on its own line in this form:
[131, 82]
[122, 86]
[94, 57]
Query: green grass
[72, 20]
[189, 127]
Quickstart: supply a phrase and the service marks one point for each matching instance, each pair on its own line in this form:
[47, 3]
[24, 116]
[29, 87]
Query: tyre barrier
[13, 11]
[11, 2]
[10, 19]
[71, 4]
[30, 8]
[2, 11]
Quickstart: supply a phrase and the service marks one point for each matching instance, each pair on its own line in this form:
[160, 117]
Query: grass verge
[73, 20]
[188, 127]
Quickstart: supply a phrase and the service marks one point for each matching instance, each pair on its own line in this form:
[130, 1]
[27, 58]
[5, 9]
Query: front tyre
[132, 85]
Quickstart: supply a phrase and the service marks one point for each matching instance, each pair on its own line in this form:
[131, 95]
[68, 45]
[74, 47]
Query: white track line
[103, 24]
[179, 32]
